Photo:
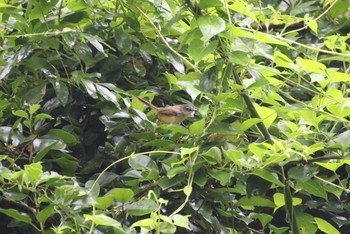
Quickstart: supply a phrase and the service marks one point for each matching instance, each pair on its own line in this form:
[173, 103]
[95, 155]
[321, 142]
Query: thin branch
[164, 40]
[318, 159]
[253, 111]
[289, 41]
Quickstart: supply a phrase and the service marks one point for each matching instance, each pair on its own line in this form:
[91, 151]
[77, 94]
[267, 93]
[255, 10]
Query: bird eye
[189, 108]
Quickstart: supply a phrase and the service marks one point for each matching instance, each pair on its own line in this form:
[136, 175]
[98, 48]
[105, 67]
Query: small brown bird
[171, 114]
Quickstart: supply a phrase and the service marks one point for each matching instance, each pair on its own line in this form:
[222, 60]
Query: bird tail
[146, 102]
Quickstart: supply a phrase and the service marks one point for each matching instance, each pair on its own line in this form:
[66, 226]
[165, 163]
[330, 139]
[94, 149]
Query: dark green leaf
[141, 207]
[122, 41]
[16, 215]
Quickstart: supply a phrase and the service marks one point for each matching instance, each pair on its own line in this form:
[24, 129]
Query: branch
[253, 111]
[318, 159]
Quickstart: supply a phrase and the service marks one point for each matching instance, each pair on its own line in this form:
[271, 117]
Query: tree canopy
[266, 152]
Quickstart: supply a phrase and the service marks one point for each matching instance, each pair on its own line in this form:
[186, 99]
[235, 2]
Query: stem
[164, 40]
[253, 111]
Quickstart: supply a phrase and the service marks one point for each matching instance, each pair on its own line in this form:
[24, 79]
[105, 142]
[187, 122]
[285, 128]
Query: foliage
[267, 152]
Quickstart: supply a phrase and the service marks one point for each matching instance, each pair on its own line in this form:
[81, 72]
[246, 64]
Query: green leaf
[234, 156]
[248, 124]
[326, 227]
[143, 223]
[223, 176]
[67, 137]
[188, 151]
[32, 173]
[303, 172]
[283, 60]
[341, 139]
[92, 188]
[313, 188]
[200, 178]
[181, 221]
[21, 113]
[306, 223]
[106, 93]
[187, 190]
[42, 116]
[102, 219]
[239, 57]
[263, 218]
[142, 207]
[212, 156]
[43, 146]
[243, 8]
[197, 127]
[209, 79]
[176, 129]
[311, 65]
[335, 76]
[16, 215]
[249, 203]
[5, 133]
[62, 92]
[33, 108]
[190, 87]
[212, 3]
[176, 62]
[210, 26]
[176, 170]
[267, 115]
[279, 201]
[309, 117]
[197, 50]
[312, 24]
[140, 162]
[123, 195]
[332, 166]
[45, 213]
[90, 88]
[260, 82]
[256, 186]
[122, 41]
[95, 41]
[12, 195]
[270, 39]
[269, 176]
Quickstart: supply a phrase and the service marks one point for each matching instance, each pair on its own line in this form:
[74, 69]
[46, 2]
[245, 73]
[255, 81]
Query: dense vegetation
[267, 151]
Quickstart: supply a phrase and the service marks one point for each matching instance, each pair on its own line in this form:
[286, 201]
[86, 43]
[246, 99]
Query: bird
[170, 114]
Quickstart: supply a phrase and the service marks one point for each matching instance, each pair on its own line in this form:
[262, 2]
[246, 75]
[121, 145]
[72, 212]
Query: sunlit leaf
[314, 188]
[269, 176]
[210, 26]
[325, 226]
[198, 50]
[102, 219]
[267, 115]
[181, 221]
